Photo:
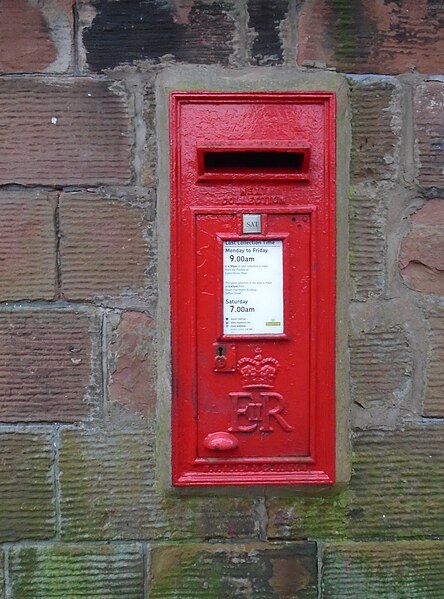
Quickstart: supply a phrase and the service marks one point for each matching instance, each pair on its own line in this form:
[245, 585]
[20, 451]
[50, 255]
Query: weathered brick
[380, 367]
[429, 130]
[27, 246]
[231, 571]
[47, 370]
[367, 244]
[372, 37]
[410, 570]
[103, 250]
[131, 368]
[195, 31]
[397, 484]
[396, 492]
[70, 131]
[375, 135]
[26, 487]
[314, 517]
[35, 37]
[108, 492]
[81, 571]
[265, 19]
[434, 396]
[421, 256]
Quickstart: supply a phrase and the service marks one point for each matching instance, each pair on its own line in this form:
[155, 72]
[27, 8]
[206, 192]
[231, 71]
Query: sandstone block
[108, 492]
[383, 570]
[46, 366]
[380, 367]
[322, 517]
[397, 484]
[26, 486]
[429, 130]
[103, 250]
[35, 37]
[434, 396]
[70, 132]
[232, 571]
[367, 245]
[421, 256]
[375, 139]
[27, 246]
[92, 571]
[372, 37]
[132, 370]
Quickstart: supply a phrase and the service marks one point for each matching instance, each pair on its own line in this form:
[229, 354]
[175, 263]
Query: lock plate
[224, 357]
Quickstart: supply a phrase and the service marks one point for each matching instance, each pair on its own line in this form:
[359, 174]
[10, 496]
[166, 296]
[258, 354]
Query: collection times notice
[253, 287]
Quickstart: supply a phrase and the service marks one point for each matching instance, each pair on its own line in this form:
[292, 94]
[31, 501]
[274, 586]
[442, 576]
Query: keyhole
[220, 351]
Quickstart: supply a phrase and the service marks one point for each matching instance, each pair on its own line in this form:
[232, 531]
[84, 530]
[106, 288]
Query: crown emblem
[258, 371]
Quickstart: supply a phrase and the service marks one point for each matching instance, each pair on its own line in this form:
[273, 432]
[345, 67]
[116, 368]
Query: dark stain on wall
[125, 31]
[130, 30]
[265, 19]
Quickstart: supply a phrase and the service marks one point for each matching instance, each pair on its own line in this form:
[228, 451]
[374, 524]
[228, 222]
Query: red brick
[131, 379]
[368, 36]
[429, 129]
[46, 366]
[434, 396]
[422, 250]
[63, 132]
[374, 136]
[103, 250]
[27, 246]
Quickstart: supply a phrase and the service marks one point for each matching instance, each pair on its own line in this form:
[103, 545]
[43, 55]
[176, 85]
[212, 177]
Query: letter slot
[254, 162]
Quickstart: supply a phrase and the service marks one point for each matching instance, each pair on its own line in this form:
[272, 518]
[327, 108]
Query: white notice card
[253, 287]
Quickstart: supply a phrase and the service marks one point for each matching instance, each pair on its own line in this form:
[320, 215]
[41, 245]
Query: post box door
[253, 336]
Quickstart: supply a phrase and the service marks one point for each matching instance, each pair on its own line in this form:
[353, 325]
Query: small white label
[251, 223]
[253, 287]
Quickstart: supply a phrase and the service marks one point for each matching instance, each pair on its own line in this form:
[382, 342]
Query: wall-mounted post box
[253, 288]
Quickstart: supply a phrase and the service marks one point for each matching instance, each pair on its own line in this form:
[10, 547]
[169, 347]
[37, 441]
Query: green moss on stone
[68, 571]
[318, 517]
[383, 570]
[178, 573]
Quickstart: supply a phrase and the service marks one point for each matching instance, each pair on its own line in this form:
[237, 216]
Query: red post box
[253, 288]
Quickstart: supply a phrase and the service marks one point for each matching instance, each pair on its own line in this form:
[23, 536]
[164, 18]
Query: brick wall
[81, 511]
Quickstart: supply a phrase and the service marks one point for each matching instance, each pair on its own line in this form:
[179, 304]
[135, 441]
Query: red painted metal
[253, 408]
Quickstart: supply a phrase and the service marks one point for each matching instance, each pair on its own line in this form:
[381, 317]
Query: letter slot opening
[253, 163]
